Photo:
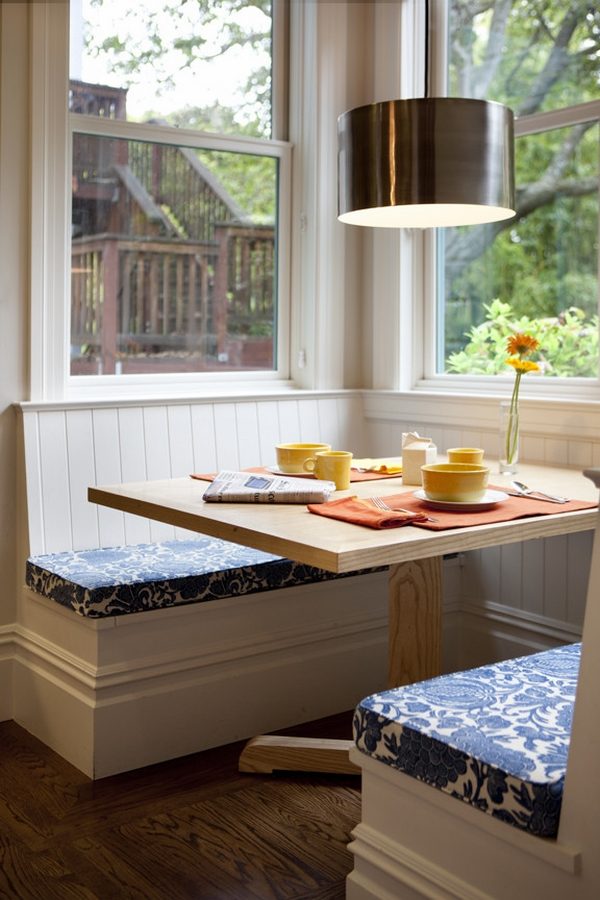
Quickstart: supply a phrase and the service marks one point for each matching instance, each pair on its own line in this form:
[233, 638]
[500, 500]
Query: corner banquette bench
[518, 740]
[129, 627]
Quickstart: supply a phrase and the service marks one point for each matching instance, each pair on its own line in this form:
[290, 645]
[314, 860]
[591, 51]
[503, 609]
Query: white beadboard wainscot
[69, 447]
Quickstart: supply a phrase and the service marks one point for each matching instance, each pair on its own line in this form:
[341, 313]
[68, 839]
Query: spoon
[526, 491]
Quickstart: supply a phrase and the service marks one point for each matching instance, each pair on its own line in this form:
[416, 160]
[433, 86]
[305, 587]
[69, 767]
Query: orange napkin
[361, 512]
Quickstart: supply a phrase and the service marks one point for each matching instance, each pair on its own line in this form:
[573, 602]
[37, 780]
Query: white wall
[14, 221]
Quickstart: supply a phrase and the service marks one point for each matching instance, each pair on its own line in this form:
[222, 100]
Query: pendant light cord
[426, 54]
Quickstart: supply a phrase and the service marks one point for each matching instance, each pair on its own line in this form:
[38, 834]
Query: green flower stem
[512, 431]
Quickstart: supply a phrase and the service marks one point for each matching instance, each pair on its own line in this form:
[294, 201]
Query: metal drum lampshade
[425, 163]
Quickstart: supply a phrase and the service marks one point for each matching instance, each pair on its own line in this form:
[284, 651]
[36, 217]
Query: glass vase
[509, 437]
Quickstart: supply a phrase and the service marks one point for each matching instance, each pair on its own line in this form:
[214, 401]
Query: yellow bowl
[455, 482]
[465, 455]
[290, 457]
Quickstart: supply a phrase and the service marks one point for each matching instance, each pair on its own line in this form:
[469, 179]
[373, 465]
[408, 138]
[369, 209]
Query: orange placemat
[358, 512]
[507, 510]
[355, 475]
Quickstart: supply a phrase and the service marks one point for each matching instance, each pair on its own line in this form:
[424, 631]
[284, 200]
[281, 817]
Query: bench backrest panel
[69, 448]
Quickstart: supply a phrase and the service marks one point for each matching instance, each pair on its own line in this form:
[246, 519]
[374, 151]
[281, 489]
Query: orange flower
[521, 344]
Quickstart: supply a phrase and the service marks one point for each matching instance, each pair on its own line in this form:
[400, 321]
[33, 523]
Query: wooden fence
[146, 304]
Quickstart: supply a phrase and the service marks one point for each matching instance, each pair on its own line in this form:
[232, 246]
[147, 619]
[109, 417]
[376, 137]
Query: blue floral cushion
[119, 580]
[496, 737]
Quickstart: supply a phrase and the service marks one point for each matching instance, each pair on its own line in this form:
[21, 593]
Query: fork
[380, 502]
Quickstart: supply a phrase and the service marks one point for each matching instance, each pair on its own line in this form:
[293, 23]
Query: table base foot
[268, 753]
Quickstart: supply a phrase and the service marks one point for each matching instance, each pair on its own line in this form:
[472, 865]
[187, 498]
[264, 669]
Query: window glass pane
[173, 258]
[539, 271]
[532, 56]
[202, 64]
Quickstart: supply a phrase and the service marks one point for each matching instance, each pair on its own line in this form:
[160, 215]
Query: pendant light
[426, 162]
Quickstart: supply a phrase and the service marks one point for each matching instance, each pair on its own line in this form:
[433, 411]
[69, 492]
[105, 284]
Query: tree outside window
[537, 272]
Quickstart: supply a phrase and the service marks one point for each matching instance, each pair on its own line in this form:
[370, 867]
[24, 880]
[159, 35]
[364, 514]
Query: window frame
[52, 130]
[424, 287]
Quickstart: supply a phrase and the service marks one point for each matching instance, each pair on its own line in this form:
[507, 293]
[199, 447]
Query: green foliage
[541, 55]
[158, 39]
[568, 343]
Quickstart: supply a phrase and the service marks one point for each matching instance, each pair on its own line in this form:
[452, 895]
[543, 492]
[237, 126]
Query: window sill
[150, 387]
[533, 387]
[216, 394]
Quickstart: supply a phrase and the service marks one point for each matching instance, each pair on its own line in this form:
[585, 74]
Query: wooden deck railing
[146, 298]
[164, 262]
[177, 181]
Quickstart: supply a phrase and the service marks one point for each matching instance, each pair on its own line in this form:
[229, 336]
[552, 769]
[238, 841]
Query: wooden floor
[193, 828]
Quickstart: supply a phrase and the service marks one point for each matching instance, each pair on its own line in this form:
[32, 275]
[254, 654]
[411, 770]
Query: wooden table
[414, 556]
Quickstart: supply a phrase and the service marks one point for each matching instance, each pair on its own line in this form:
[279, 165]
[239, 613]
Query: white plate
[275, 471]
[489, 500]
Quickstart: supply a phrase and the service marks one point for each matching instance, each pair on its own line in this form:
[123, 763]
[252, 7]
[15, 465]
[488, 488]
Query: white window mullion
[326, 80]
[557, 118]
[398, 72]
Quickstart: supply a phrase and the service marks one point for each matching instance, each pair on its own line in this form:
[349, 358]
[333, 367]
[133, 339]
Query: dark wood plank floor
[192, 828]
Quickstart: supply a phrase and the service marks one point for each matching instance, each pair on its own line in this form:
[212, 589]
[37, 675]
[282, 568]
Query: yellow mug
[331, 465]
[472, 455]
[290, 457]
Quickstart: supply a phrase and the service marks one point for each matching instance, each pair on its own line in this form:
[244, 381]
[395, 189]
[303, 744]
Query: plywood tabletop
[292, 531]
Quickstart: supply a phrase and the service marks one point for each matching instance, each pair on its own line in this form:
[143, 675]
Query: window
[317, 336]
[178, 190]
[539, 271]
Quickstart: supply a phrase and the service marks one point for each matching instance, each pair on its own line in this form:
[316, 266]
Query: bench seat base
[417, 842]
[496, 737]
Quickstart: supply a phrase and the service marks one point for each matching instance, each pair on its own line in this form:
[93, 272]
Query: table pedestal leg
[415, 603]
[415, 623]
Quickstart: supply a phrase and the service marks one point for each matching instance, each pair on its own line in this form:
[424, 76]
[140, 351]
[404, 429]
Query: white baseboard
[384, 870]
[7, 651]
[489, 632]
[153, 686]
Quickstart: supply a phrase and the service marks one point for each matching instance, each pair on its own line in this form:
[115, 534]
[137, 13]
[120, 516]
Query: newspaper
[249, 487]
